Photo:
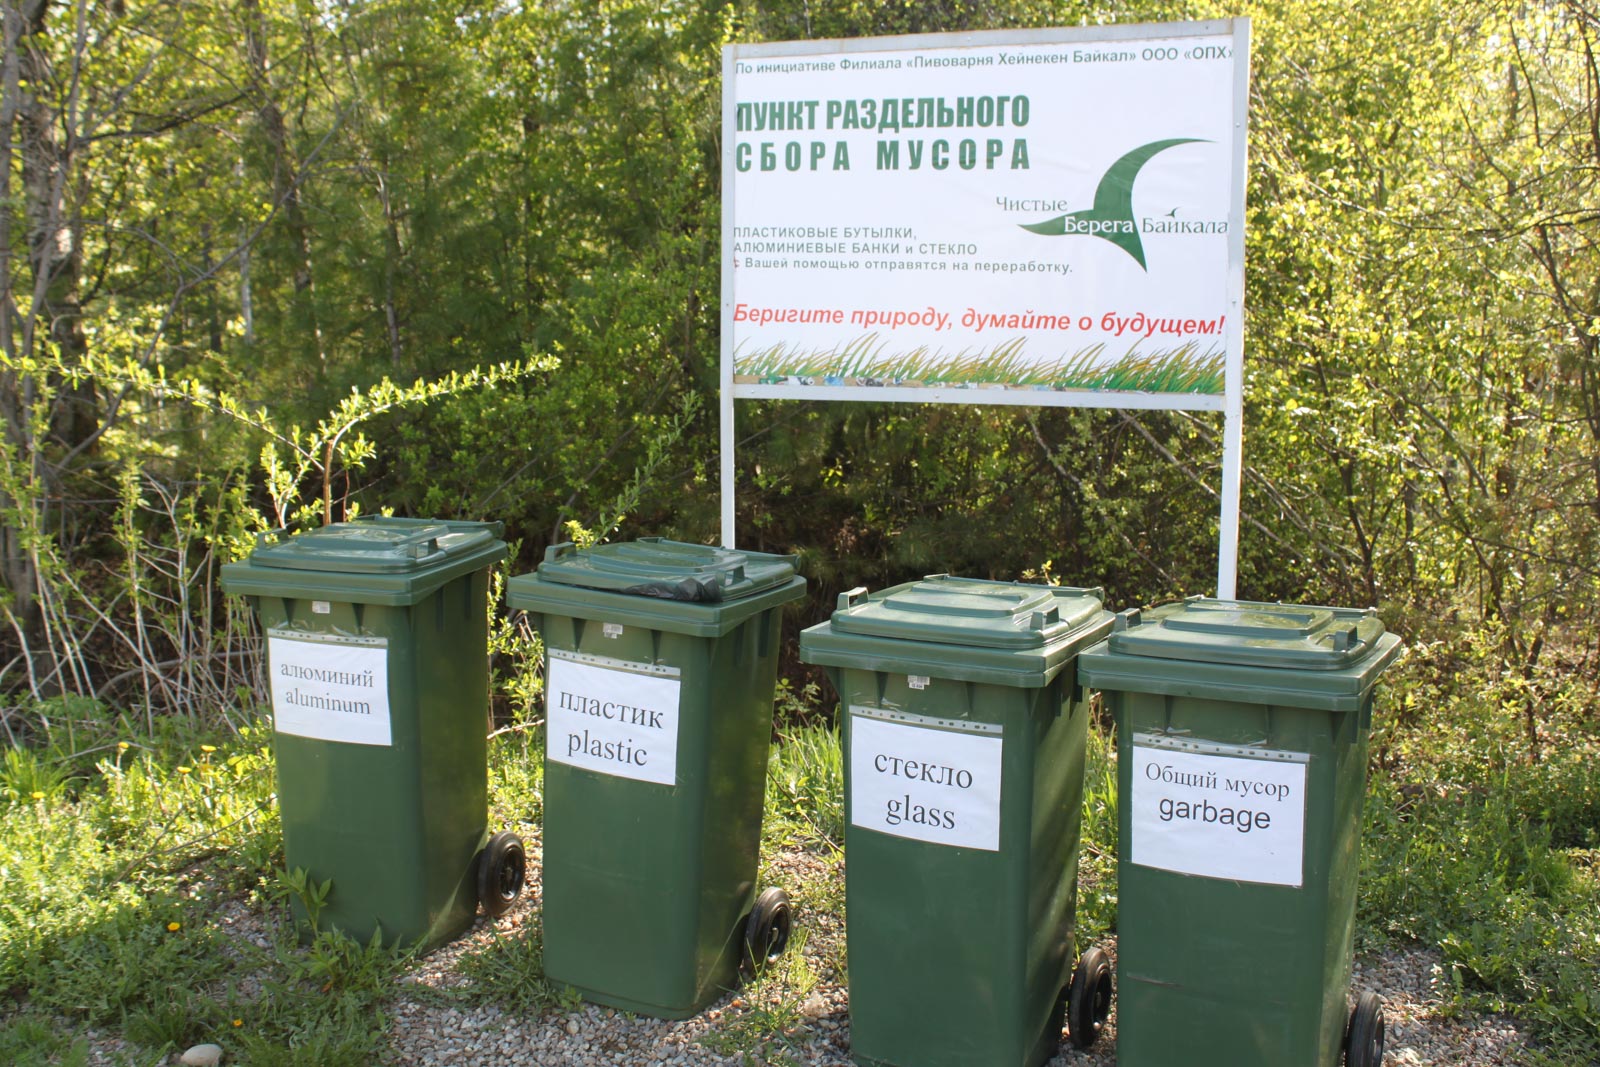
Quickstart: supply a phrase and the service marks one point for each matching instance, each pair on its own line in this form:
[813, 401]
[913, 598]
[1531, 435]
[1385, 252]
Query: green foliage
[109, 915]
[1474, 848]
[805, 784]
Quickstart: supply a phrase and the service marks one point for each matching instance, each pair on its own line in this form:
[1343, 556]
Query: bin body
[658, 727]
[376, 634]
[964, 736]
[1242, 751]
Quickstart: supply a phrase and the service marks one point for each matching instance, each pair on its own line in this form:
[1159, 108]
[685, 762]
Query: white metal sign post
[1038, 218]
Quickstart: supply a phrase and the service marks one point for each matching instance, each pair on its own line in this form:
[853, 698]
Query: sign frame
[1230, 402]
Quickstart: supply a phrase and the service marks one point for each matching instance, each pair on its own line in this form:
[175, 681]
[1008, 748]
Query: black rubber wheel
[766, 932]
[502, 869]
[1363, 1041]
[1089, 997]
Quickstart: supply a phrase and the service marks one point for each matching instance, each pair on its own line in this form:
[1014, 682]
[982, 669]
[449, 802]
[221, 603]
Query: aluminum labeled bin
[377, 653]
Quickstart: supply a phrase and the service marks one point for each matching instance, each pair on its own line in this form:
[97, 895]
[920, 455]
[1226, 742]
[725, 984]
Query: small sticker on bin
[321, 607]
[611, 629]
[917, 681]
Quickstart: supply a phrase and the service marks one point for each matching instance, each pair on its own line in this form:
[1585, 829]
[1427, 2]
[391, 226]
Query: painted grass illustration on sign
[867, 361]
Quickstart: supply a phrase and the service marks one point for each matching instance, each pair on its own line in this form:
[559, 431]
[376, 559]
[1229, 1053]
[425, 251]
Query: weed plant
[120, 853]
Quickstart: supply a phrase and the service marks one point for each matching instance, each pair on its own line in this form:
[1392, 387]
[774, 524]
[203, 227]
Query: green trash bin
[1242, 758]
[661, 659]
[377, 654]
[965, 727]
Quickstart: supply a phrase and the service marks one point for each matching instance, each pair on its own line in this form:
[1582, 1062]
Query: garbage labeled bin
[1242, 757]
[964, 734]
[376, 638]
[660, 662]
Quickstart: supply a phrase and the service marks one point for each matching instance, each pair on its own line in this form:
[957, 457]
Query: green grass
[867, 360]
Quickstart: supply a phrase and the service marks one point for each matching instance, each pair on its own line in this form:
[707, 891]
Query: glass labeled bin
[1242, 759]
[377, 654]
[661, 659]
[964, 734]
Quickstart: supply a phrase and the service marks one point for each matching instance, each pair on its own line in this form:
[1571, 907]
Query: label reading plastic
[926, 784]
[613, 717]
[330, 688]
[1237, 818]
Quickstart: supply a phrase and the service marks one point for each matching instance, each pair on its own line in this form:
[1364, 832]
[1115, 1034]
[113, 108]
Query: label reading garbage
[1216, 814]
[329, 687]
[613, 716]
[936, 783]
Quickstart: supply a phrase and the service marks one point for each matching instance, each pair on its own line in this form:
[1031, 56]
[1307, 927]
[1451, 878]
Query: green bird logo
[1111, 218]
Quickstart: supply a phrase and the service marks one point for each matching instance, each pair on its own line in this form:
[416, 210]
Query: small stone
[572, 1026]
[202, 1056]
[814, 1007]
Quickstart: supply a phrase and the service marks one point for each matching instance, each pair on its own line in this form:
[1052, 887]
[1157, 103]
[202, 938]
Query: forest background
[266, 263]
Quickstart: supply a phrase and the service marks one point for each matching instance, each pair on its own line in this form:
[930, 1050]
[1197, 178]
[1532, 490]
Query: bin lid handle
[848, 598]
[555, 552]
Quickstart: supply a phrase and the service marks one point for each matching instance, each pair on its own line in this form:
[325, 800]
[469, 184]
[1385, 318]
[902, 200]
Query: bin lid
[667, 570]
[377, 546]
[970, 611]
[1253, 634]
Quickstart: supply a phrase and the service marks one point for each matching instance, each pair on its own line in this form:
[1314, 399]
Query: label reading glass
[940, 785]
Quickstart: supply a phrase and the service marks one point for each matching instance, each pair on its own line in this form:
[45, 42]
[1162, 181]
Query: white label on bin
[321, 607]
[613, 716]
[1205, 810]
[611, 629]
[329, 687]
[925, 779]
[917, 681]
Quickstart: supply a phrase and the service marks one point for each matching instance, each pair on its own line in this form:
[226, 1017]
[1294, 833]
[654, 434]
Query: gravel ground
[1420, 1031]
[799, 1017]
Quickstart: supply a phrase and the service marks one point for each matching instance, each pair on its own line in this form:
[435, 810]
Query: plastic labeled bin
[377, 653]
[661, 659]
[1242, 759]
[964, 736]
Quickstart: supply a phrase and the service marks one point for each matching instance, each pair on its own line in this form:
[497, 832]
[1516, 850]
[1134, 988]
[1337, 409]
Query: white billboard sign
[1045, 214]
[1043, 217]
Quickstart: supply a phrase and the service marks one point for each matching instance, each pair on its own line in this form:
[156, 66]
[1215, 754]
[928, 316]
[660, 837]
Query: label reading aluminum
[613, 717]
[330, 688]
[936, 785]
[1219, 816]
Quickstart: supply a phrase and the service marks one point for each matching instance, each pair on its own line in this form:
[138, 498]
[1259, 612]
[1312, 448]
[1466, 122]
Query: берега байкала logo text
[1111, 218]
